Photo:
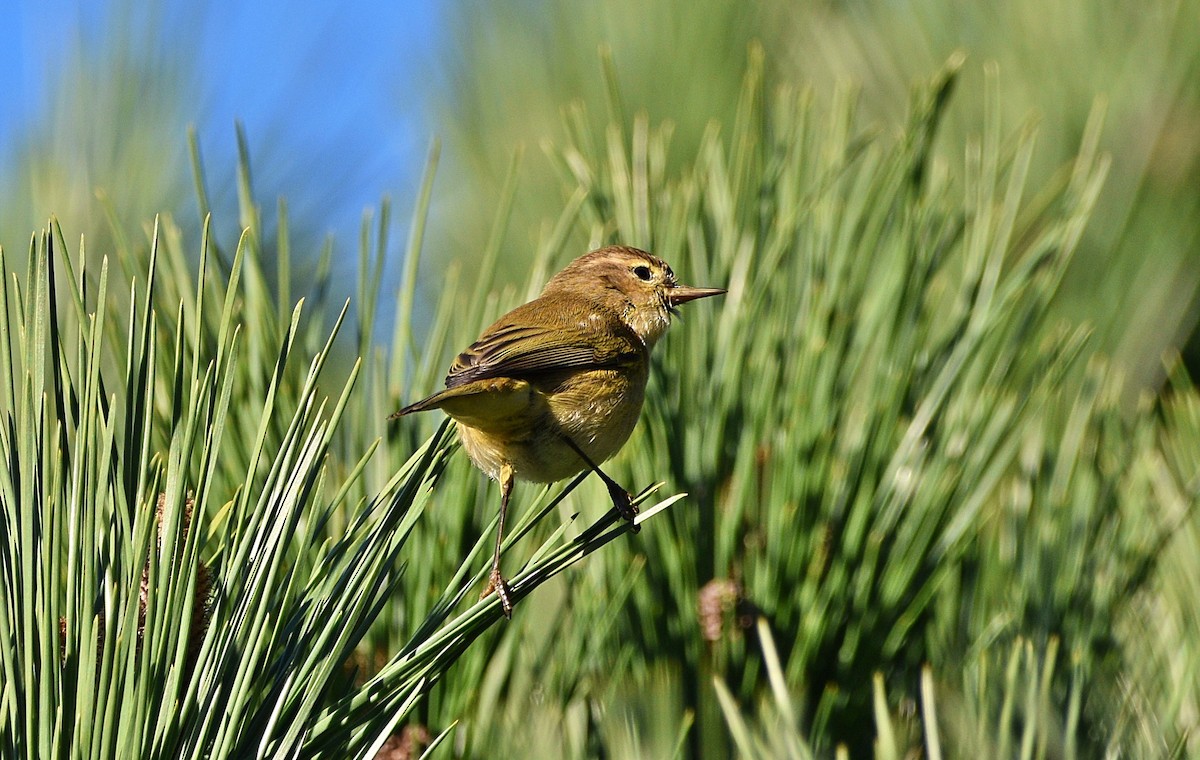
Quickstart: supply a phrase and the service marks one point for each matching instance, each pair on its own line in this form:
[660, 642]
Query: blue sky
[328, 83]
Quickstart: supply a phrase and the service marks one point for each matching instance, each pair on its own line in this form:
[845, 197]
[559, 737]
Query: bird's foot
[497, 584]
[624, 505]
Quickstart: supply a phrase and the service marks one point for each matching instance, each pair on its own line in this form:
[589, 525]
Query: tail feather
[485, 404]
[423, 405]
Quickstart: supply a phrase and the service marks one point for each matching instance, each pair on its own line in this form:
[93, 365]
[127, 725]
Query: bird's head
[637, 285]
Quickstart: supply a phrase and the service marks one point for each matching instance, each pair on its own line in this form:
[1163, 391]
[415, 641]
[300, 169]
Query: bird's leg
[496, 581]
[621, 499]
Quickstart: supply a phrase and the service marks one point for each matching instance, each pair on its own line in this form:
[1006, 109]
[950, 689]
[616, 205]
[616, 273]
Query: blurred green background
[339, 105]
[1135, 279]
[529, 99]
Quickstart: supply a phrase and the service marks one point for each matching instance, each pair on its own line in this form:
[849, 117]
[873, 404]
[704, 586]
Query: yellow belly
[525, 424]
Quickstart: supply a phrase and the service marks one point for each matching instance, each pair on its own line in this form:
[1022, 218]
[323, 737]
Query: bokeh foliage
[897, 452]
[1136, 274]
[922, 512]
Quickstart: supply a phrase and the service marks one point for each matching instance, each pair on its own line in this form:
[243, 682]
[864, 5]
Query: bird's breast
[596, 409]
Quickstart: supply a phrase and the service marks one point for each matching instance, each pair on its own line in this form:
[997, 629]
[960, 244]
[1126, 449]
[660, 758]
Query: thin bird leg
[621, 499]
[496, 581]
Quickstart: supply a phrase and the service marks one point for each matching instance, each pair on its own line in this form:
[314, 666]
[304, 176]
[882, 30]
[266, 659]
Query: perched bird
[555, 386]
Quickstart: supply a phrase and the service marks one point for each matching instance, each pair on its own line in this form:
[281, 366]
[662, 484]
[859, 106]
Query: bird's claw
[624, 505]
[497, 584]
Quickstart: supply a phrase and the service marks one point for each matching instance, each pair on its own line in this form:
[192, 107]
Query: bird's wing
[513, 347]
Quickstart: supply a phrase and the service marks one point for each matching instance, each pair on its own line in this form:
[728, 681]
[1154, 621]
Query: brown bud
[717, 599]
[406, 745]
[200, 599]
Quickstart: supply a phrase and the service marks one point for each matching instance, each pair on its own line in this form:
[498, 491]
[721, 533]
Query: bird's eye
[643, 273]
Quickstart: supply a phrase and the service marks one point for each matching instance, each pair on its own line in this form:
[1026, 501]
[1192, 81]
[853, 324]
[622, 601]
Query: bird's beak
[683, 293]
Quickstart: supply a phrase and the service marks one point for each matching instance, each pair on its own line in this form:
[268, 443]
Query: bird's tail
[495, 403]
[423, 405]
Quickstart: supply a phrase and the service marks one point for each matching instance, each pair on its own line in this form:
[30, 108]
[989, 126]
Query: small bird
[555, 386]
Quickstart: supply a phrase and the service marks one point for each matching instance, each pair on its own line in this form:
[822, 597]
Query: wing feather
[525, 343]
